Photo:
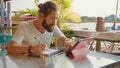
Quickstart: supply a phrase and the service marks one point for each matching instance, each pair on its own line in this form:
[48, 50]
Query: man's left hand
[68, 44]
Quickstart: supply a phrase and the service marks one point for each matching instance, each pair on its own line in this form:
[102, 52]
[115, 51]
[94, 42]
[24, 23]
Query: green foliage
[33, 12]
[66, 12]
[66, 30]
[68, 33]
[74, 17]
[36, 3]
[27, 11]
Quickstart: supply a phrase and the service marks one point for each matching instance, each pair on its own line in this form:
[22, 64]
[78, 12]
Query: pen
[38, 40]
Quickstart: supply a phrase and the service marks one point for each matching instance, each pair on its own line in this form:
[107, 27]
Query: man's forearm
[17, 48]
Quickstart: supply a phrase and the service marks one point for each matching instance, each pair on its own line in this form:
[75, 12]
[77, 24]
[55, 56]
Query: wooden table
[100, 36]
[93, 60]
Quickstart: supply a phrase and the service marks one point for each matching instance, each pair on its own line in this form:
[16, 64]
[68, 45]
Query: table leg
[98, 45]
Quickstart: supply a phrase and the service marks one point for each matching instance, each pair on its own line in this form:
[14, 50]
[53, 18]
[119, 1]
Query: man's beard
[49, 28]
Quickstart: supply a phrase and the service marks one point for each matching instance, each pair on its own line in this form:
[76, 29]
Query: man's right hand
[39, 48]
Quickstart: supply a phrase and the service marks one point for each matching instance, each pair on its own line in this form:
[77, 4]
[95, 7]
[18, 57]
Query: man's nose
[54, 22]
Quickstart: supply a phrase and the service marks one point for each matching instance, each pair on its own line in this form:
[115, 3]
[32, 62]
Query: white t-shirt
[27, 31]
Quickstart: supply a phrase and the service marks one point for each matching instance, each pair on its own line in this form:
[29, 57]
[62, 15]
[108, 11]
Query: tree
[66, 12]
[32, 12]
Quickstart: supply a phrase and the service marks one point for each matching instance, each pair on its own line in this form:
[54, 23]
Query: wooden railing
[25, 17]
[14, 21]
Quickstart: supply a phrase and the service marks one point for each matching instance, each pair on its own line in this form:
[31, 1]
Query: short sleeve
[19, 34]
[57, 33]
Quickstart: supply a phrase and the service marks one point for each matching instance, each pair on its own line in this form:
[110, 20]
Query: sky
[91, 8]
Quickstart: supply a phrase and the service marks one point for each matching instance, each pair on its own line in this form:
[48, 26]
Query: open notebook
[49, 52]
[80, 48]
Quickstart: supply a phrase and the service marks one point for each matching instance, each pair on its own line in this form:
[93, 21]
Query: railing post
[100, 26]
[9, 24]
[1, 16]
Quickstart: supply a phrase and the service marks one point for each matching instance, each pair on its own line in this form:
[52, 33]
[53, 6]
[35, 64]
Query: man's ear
[42, 15]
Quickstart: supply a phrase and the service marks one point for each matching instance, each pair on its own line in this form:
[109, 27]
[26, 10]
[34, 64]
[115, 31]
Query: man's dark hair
[47, 8]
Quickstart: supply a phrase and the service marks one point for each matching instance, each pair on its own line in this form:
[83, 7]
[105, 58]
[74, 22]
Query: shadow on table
[23, 61]
[84, 63]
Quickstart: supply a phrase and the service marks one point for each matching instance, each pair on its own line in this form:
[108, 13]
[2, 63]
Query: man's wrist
[66, 41]
[29, 49]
